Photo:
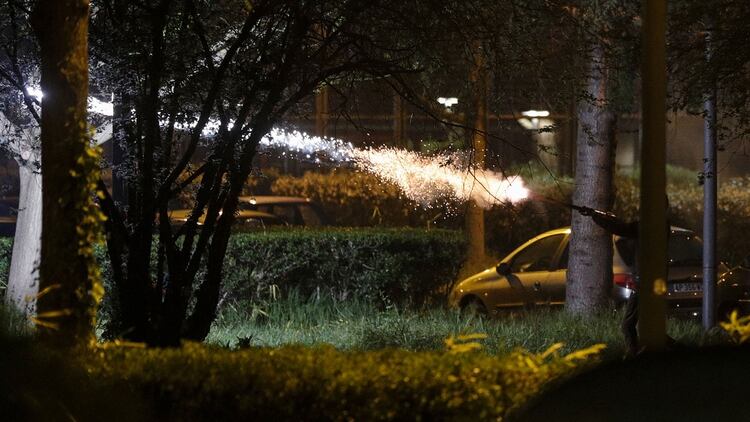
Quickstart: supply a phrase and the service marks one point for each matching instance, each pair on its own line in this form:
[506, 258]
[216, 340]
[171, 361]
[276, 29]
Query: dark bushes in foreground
[320, 383]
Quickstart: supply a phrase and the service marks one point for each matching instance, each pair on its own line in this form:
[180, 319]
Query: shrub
[321, 383]
[357, 199]
[360, 199]
[6, 249]
[379, 265]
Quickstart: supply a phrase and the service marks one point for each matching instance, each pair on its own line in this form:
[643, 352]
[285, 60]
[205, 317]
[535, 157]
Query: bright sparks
[423, 179]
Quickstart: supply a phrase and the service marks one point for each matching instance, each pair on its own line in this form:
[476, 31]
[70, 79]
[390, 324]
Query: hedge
[359, 199]
[197, 382]
[405, 266]
[385, 266]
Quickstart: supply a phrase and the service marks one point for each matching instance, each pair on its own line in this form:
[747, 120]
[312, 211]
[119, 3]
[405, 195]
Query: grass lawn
[352, 325]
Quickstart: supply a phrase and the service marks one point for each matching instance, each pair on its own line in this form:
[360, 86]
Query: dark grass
[353, 325]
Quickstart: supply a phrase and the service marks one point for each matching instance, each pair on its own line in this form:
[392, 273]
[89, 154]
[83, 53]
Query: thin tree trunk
[476, 258]
[23, 279]
[589, 280]
[69, 285]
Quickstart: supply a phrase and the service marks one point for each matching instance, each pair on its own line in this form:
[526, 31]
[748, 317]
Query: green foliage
[686, 209]
[40, 384]
[359, 199]
[6, 250]
[356, 198]
[321, 383]
[380, 265]
[357, 325]
[737, 327]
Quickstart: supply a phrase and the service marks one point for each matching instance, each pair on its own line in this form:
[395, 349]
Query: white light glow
[535, 123]
[447, 101]
[94, 104]
[423, 179]
[535, 113]
[34, 91]
[100, 107]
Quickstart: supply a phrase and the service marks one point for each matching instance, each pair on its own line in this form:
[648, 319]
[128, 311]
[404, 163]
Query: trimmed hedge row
[358, 199]
[198, 382]
[380, 265]
[386, 266]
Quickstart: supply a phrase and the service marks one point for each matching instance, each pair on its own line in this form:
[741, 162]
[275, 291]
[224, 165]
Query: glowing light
[34, 91]
[447, 101]
[423, 179]
[100, 107]
[535, 113]
[94, 104]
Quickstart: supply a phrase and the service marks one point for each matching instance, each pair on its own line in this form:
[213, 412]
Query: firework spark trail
[423, 179]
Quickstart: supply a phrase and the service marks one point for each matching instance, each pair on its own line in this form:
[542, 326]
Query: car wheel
[474, 307]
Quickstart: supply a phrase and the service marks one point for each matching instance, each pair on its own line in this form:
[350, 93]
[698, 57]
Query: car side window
[538, 256]
[563, 262]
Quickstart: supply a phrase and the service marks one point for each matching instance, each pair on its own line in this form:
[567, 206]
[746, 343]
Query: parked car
[295, 211]
[244, 220]
[535, 273]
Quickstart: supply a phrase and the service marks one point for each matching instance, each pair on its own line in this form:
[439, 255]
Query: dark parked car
[244, 220]
[294, 210]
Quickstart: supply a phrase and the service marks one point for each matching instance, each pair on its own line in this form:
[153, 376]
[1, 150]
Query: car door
[530, 267]
[552, 292]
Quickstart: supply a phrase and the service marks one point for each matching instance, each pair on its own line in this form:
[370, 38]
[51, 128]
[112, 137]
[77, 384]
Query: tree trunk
[476, 256]
[589, 280]
[69, 285]
[23, 278]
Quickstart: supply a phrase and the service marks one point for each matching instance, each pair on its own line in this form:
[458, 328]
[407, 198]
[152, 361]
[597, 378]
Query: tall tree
[607, 40]
[194, 76]
[69, 276]
[590, 266]
[19, 137]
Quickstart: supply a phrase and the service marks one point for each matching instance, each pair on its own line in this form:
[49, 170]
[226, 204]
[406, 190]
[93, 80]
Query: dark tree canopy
[215, 76]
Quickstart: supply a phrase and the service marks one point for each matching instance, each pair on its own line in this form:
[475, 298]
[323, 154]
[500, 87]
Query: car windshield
[685, 248]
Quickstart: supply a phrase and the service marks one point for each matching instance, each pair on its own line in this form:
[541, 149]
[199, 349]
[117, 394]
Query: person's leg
[630, 325]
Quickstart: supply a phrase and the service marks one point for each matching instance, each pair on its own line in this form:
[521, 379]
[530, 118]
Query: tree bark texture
[23, 278]
[69, 285]
[589, 278]
[474, 213]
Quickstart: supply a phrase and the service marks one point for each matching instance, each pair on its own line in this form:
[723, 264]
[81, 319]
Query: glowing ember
[307, 146]
[423, 179]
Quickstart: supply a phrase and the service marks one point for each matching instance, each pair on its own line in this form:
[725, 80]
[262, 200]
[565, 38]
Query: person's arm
[611, 223]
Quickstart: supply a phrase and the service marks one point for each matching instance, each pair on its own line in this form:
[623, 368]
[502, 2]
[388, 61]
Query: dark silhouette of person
[616, 226]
